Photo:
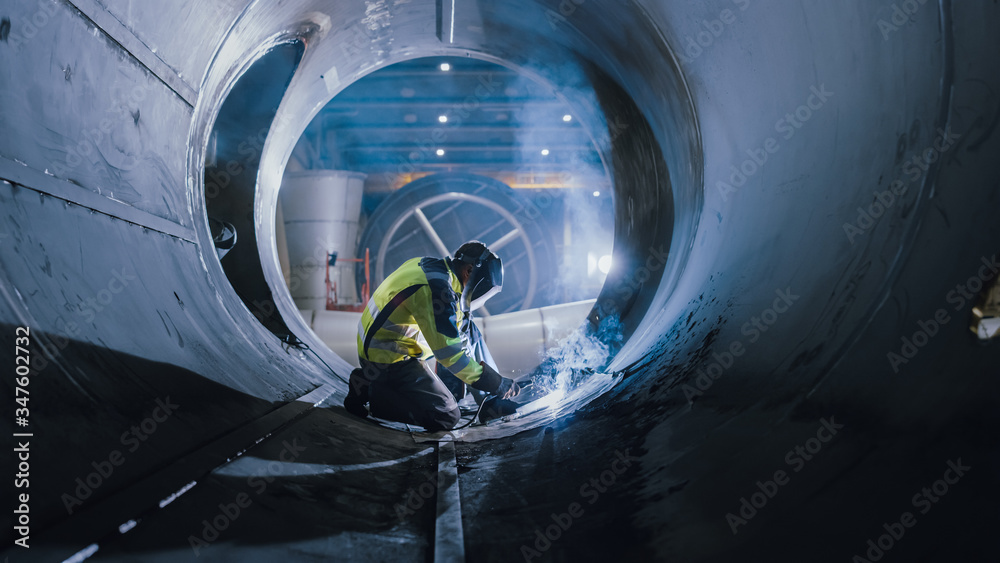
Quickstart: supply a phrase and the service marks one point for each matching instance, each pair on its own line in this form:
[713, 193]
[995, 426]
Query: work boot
[354, 406]
[357, 395]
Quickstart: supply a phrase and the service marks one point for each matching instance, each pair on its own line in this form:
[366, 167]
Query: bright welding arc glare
[545, 152]
[549, 400]
[443, 118]
[597, 193]
[604, 264]
[445, 67]
[567, 117]
[440, 152]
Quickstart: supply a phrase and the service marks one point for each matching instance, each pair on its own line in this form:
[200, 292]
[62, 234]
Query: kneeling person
[422, 310]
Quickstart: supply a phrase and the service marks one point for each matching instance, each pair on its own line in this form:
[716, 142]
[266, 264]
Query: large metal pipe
[798, 188]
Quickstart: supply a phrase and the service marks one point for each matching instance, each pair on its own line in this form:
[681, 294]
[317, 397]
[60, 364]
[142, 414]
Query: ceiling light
[440, 152]
[445, 67]
[545, 152]
[443, 118]
[567, 117]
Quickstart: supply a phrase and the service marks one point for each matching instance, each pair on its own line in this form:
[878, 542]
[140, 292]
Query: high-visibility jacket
[414, 313]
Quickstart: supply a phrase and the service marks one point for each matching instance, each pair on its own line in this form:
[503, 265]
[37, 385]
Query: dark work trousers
[409, 392]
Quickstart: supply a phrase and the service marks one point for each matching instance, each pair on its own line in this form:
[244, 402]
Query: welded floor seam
[449, 538]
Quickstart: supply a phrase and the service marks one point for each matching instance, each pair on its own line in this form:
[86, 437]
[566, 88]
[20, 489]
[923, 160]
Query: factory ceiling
[439, 114]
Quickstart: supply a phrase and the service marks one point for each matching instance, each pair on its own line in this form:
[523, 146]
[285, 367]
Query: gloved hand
[496, 384]
[508, 388]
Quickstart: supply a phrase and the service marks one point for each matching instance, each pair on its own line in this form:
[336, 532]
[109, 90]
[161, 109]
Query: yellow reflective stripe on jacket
[431, 312]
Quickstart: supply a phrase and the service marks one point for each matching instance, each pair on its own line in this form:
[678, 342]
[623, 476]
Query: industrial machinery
[434, 215]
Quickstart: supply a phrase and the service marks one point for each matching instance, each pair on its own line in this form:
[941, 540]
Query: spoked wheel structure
[434, 215]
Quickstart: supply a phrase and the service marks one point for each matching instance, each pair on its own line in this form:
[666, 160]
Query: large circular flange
[434, 215]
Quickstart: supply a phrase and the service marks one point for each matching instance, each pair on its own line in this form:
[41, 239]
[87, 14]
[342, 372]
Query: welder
[424, 309]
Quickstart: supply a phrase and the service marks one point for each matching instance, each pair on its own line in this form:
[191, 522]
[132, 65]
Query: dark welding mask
[485, 281]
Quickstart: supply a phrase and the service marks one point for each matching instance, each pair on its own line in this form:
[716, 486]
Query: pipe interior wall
[755, 131]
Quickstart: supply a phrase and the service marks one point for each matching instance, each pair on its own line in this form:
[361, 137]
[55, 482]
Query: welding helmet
[486, 279]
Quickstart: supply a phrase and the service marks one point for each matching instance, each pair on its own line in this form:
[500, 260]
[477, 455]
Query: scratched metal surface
[76, 107]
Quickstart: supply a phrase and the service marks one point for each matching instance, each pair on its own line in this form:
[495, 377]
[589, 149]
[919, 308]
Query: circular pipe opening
[652, 149]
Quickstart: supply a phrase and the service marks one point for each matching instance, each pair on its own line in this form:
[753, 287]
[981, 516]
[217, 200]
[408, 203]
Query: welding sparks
[578, 357]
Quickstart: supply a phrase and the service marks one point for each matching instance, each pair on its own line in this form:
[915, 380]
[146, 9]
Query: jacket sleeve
[435, 308]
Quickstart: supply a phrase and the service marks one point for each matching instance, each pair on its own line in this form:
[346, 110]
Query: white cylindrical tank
[321, 209]
[338, 330]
